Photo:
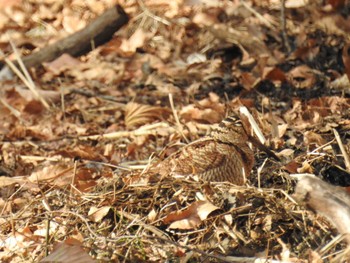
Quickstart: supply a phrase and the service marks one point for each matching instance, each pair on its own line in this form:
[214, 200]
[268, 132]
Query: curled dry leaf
[139, 114]
[191, 217]
[302, 76]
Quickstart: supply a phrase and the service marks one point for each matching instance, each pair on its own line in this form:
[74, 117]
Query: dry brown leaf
[61, 64]
[102, 71]
[97, 214]
[311, 137]
[204, 19]
[7, 181]
[209, 110]
[8, 3]
[191, 217]
[305, 168]
[248, 80]
[59, 173]
[296, 3]
[71, 23]
[292, 167]
[302, 76]
[137, 40]
[334, 24]
[163, 87]
[68, 251]
[282, 128]
[286, 153]
[308, 49]
[19, 241]
[85, 152]
[274, 74]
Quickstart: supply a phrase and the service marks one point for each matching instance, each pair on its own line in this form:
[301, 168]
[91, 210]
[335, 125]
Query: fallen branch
[330, 201]
[95, 34]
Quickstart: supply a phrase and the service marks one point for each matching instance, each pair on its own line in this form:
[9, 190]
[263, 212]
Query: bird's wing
[198, 157]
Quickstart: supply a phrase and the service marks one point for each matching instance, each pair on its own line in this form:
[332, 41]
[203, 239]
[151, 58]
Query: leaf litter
[74, 181]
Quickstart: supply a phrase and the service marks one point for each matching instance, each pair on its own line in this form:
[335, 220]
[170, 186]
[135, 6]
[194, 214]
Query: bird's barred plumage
[222, 155]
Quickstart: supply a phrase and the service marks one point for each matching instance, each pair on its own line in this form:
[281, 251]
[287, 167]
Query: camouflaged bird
[222, 155]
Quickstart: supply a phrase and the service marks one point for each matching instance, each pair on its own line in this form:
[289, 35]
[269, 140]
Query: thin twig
[342, 149]
[260, 168]
[259, 16]
[178, 124]
[47, 234]
[284, 27]
[151, 15]
[25, 75]
[253, 123]
[14, 111]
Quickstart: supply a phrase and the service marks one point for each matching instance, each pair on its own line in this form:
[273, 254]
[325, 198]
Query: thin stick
[15, 112]
[27, 76]
[26, 82]
[320, 147]
[258, 143]
[342, 149]
[260, 17]
[253, 123]
[47, 234]
[178, 124]
[284, 27]
[259, 172]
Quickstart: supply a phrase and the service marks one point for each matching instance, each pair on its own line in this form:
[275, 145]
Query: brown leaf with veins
[139, 114]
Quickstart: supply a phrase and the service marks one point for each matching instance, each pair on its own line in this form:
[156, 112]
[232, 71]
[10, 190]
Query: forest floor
[72, 186]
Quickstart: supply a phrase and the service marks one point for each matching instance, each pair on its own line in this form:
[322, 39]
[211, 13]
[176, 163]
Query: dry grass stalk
[178, 124]
[25, 76]
[342, 149]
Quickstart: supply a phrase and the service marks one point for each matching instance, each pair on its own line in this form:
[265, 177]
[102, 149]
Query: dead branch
[95, 34]
[330, 201]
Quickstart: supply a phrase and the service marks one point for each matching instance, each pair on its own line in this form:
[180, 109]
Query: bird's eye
[239, 123]
[232, 120]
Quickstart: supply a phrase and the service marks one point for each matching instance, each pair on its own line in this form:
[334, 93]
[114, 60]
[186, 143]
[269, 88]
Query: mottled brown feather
[223, 155]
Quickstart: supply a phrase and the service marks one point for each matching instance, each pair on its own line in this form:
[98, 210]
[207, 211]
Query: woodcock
[222, 155]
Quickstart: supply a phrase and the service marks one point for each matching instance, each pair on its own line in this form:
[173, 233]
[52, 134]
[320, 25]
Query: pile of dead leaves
[77, 132]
